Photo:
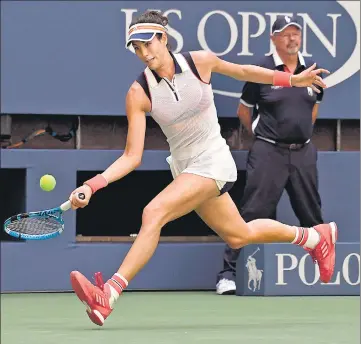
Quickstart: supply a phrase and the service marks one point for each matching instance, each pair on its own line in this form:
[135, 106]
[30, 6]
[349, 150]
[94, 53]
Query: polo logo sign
[254, 274]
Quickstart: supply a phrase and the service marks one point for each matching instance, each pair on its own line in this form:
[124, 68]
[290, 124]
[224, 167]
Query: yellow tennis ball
[47, 182]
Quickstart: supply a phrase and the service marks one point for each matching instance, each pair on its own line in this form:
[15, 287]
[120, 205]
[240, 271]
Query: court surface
[181, 317]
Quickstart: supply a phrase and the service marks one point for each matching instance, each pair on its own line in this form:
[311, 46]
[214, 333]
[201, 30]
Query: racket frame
[56, 213]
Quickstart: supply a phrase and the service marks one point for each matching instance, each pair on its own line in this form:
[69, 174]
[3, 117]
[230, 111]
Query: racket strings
[35, 225]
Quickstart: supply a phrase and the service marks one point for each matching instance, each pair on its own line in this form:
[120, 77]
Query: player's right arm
[137, 104]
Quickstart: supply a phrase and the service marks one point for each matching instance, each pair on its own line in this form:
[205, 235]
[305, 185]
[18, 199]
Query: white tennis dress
[185, 111]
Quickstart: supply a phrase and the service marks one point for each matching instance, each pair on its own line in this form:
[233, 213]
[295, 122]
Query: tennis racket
[38, 225]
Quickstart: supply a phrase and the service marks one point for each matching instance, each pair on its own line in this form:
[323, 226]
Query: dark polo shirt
[281, 114]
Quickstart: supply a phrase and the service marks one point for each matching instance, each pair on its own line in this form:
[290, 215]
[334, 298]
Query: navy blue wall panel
[68, 57]
[282, 269]
[46, 265]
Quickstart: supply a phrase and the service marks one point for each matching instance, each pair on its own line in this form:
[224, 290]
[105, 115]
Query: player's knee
[153, 214]
[236, 243]
[243, 239]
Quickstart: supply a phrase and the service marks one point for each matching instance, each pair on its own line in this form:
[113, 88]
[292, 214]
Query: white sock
[306, 237]
[313, 239]
[113, 296]
[116, 285]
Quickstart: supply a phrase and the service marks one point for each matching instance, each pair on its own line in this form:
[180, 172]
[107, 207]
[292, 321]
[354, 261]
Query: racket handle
[67, 205]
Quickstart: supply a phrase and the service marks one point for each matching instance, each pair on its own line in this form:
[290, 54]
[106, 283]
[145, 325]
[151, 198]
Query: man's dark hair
[153, 17]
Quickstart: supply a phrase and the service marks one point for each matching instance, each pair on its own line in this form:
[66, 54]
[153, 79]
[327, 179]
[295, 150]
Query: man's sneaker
[324, 253]
[95, 297]
[226, 287]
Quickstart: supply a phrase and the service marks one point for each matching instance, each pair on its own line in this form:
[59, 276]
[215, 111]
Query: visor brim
[143, 37]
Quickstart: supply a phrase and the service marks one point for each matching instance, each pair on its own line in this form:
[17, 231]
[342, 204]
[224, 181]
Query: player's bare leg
[182, 196]
[221, 214]
[179, 198]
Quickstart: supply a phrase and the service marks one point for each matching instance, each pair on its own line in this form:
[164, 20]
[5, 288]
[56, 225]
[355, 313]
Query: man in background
[282, 155]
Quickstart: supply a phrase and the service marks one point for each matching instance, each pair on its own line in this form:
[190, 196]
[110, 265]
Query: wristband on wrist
[282, 79]
[96, 183]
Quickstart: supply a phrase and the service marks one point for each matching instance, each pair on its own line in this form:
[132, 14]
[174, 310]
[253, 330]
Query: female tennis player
[175, 89]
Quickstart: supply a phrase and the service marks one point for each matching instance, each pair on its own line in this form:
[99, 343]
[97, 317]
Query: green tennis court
[182, 317]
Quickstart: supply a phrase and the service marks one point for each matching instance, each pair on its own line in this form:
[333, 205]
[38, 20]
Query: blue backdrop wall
[46, 265]
[68, 57]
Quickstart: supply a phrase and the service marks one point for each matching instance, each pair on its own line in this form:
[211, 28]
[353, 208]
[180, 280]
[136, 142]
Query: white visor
[144, 32]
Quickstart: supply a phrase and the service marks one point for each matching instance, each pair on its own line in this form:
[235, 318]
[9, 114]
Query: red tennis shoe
[324, 253]
[95, 297]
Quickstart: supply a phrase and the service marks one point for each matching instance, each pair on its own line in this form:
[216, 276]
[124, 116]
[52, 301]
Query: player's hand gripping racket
[38, 225]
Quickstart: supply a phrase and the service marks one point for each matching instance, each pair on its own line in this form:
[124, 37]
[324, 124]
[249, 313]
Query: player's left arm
[209, 61]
